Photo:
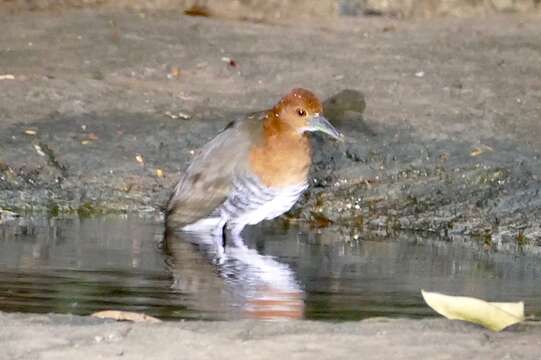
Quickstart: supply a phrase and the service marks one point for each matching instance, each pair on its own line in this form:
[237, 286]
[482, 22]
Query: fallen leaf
[492, 315]
[125, 316]
[39, 150]
[230, 61]
[128, 187]
[7, 213]
[139, 159]
[159, 173]
[7, 216]
[183, 116]
[443, 157]
[476, 151]
[179, 115]
[92, 136]
[171, 115]
[197, 10]
[319, 220]
[174, 72]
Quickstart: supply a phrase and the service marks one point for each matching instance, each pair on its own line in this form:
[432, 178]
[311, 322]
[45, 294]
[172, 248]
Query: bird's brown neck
[283, 155]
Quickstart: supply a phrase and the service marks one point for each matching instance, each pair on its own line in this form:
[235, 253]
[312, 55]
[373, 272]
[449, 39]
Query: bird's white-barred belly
[251, 202]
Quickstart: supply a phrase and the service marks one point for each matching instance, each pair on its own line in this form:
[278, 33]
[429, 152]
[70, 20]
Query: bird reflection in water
[231, 281]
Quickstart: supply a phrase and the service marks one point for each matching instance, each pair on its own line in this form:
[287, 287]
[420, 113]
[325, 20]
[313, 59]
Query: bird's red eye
[301, 112]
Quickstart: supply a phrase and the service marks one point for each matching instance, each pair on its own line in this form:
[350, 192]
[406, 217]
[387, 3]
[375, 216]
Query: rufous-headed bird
[254, 170]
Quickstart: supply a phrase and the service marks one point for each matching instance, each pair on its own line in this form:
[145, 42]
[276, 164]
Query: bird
[255, 169]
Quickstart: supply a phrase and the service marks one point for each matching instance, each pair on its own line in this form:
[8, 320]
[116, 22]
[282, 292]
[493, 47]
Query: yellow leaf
[174, 72]
[124, 316]
[476, 151]
[494, 316]
[159, 173]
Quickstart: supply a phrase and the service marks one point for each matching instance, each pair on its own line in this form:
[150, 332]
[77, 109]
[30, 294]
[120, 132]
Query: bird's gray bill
[320, 123]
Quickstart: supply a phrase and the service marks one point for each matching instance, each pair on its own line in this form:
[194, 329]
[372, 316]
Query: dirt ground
[288, 10]
[70, 337]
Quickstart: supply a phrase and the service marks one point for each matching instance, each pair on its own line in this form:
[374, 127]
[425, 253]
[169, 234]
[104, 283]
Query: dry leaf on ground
[481, 149]
[139, 159]
[124, 316]
[494, 316]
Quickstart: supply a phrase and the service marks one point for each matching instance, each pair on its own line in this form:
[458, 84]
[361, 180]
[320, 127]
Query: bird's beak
[320, 123]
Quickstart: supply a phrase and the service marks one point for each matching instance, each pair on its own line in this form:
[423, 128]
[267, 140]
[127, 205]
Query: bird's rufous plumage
[255, 169]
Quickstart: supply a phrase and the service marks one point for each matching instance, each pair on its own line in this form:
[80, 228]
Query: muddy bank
[68, 337]
[101, 110]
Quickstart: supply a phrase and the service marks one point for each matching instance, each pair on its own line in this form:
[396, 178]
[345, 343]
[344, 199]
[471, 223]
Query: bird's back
[209, 178]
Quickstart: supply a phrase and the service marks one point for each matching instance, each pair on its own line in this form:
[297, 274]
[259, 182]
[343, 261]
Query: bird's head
[302, 110]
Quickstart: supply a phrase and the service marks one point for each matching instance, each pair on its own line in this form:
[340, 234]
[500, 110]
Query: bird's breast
[281, 162]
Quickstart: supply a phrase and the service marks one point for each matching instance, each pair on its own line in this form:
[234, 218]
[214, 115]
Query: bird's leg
[224, 235]
[234, 233]
[231, 236]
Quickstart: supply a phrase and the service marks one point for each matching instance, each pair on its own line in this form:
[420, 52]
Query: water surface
[121, 262]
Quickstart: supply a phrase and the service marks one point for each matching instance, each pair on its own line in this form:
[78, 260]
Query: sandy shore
[71, 337]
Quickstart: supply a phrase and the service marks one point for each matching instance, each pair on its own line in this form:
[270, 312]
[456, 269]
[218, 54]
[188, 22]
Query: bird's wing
[209, 178]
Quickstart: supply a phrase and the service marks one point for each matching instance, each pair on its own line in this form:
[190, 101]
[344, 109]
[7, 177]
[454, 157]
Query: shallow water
[120, 262]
